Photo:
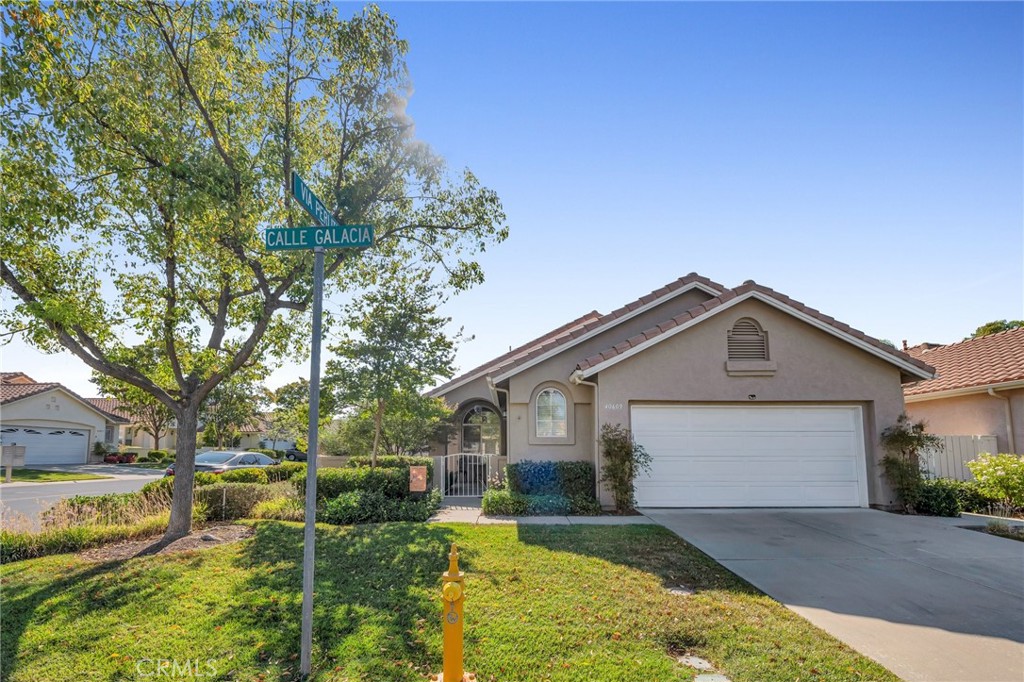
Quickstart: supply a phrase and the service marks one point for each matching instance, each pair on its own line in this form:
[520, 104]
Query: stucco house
[978, 390]
[55, 424]
[744, 397]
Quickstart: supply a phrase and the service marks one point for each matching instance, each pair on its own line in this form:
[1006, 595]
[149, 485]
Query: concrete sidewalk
[467, 510]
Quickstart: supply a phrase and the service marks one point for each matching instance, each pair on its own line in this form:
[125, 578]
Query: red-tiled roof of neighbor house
[111, 406]
[16, 391]
[16, 378]
[975, 363]
[12, 392]
[726, 296]
[497, 363]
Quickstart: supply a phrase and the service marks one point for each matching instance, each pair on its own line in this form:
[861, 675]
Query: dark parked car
[219, 461]
[294, 455]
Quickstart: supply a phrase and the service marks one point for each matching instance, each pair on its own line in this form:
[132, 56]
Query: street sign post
[329, 233]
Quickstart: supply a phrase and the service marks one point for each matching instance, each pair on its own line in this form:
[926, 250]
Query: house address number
[613, 406]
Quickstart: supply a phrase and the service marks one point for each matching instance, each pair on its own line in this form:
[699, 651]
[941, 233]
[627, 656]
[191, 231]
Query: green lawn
[40, 476]
[569, 603]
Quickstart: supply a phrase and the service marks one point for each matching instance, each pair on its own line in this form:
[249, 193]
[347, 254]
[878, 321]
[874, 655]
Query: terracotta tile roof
[492, 366]
[16, 378]
[11, 392]
[111, 406]
[728, 295]
[570, 332]
[985, 361]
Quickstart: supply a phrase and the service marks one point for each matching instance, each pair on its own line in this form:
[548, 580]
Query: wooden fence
[951, 460]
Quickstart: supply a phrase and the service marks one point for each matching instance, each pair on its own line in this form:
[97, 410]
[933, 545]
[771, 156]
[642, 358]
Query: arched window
[481, 431]
[552, 417]
[747, 341]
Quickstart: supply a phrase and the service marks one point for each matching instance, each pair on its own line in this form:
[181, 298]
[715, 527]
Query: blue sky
[866, 159]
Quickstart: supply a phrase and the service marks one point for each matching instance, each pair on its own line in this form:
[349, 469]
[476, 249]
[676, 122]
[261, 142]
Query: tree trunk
[378, 419]
[156, 439]
[184, 474]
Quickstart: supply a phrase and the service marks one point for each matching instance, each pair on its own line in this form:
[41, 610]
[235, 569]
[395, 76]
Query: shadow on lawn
[376, 597]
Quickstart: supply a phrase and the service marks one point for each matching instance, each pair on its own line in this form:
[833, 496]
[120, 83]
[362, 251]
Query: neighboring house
[978, 388]
[743, 397]
[132, 434]
[56, 425]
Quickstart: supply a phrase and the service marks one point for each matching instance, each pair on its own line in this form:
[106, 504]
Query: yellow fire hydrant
[453, 595]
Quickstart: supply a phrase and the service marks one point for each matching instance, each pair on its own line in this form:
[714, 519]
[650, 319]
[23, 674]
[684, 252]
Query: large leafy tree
[147, 144]
[394, 343]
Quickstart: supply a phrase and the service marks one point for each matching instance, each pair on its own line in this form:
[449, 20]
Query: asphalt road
[28, 500]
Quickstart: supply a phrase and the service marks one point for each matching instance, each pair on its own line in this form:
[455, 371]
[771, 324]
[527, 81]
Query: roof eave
[966, 390]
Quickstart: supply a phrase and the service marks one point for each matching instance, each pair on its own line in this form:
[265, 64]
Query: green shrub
[584, 505]
[938, 498]
[373, 506]
[624, 459]
[330, 483]
[498, 502]
[284, 471]
[226, 501]
[264, 451]
[395, 462]
[281, 509]
[165, 485]
[245, 476]
[16, 546]
[157, 455]
[1000, 477]
[547, 505]
[569, 479]
[904, 443]
[970, 498]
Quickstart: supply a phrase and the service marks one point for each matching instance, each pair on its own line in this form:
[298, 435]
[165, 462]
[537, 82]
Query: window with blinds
[747, 341]
[552, 418]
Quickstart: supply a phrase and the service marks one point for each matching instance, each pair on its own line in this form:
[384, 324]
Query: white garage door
[744, 456]
[48, 446]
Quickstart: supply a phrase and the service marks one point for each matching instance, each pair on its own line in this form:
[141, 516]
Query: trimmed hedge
[500, 502]
[571, 479]
[938, 498]
[264, 451]
[394, 462]
[285, 470]
[373, 506]
[165, 485]
[330, 483]
[245, 476]
[157, 455]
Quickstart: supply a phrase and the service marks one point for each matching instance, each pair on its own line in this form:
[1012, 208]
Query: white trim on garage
[734, 455]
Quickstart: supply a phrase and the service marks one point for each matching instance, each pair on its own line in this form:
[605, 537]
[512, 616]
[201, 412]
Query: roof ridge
[729, 294]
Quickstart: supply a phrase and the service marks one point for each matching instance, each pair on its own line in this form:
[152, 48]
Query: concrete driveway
[930, 601]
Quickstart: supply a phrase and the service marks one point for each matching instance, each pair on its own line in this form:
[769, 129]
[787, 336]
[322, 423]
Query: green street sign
[311, 202]
[333, 237]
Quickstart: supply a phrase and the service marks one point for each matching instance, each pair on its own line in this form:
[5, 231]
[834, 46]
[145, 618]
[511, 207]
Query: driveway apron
[930, 601]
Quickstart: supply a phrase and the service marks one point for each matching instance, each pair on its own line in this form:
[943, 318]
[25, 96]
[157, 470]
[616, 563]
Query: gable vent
[747, 341]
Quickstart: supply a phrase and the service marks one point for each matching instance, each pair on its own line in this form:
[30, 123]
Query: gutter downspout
[577, 378]
[1010, 441]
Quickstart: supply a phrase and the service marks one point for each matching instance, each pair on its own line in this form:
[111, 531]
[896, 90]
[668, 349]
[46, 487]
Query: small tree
[994, 327]
[624, 458]
[149, 414]
[395, 345]
[410, 423]
[904, 443]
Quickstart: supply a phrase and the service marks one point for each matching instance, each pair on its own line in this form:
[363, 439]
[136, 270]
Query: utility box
[12, 456]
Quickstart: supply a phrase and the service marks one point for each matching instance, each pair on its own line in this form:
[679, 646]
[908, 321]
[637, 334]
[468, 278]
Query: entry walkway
[467, 510]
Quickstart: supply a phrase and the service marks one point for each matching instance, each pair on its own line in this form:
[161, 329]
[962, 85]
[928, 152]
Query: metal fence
[466, 474]
[951, 460]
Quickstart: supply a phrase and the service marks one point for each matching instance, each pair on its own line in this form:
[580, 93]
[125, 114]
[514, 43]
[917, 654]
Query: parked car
[294, 455]
[219, 461]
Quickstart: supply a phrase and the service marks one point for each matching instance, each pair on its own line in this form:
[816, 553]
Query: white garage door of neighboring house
[48, 445]
[745, 456]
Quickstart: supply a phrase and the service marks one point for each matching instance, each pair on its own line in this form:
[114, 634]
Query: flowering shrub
[1000, 476]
